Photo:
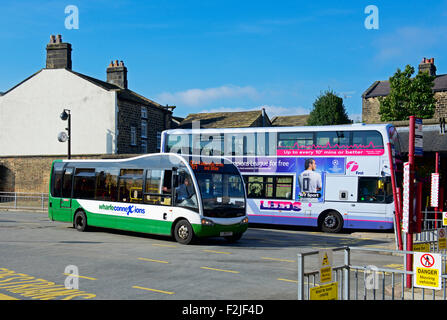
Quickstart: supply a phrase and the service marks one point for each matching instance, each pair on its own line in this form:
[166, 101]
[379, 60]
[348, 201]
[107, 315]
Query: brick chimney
[58, 53]
[428, 65]
[117, 74]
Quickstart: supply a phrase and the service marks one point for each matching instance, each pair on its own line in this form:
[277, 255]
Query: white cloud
[198, 97]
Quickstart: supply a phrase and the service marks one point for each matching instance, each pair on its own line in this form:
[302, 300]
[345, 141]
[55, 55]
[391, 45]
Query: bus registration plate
[226, 233]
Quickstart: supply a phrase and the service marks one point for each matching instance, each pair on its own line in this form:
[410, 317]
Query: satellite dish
[62, 136]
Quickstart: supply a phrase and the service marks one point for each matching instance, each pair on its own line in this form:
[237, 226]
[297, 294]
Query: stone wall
[371, 107]
[129, 115]
[32, 173]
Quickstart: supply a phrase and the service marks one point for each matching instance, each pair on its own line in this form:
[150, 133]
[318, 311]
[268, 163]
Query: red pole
[395, 197]
[409, 257]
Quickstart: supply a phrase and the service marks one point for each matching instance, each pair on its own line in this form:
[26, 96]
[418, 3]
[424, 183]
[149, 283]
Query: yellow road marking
[152, 260]
[212, 251]
[276, 259]
[154, 290]
[287, 280]
[5, 297]
[164, 245]
[78, 276]
[231, 271]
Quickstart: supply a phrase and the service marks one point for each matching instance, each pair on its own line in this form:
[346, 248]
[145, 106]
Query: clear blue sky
[230, 55]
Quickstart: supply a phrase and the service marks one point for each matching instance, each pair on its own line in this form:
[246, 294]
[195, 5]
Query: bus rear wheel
[80, 221]
[183, 232]
[331, 222]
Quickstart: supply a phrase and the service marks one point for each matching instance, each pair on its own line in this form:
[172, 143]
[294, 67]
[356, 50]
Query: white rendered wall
[30, 122]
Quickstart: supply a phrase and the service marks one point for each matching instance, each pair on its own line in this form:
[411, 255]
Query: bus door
[64, 212]
[370, 209]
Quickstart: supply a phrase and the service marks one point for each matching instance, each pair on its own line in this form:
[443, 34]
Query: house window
[143, 128]
[143, 146]
[144, 112]
[158, 140]
[133, 136]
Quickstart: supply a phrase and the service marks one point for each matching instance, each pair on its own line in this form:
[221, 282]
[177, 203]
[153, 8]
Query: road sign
[418, 138]
[442, 240]
[325, 292]
[325, 265]
[434, 194]
[406, 198]
[427, 269]
[444, 218]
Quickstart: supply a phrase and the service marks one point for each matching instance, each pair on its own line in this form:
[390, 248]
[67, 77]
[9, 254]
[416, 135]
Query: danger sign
[427, 268]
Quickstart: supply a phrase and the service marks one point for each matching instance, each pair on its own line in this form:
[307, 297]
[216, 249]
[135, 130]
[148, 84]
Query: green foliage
[328, 110]
[408, 96]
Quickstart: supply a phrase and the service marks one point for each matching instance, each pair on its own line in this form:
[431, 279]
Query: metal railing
[357, 282]
[24, 200]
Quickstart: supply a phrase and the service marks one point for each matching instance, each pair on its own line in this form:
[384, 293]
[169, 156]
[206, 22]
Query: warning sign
[325, 258]
[444, 219]
[421, 246]
[325, 292]
[427, 268]
[442, 240]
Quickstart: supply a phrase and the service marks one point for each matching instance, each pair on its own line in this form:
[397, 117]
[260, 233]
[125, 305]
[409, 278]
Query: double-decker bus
[164, 194]
[331, 177]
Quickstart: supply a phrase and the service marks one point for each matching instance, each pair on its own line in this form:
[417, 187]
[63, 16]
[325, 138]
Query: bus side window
[371, 189]
[67, 183]
[131, 185]
[56, 190]
[84, 184]
[158, 187]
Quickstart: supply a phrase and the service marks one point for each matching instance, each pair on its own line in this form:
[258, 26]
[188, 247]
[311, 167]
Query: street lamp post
[66, 115]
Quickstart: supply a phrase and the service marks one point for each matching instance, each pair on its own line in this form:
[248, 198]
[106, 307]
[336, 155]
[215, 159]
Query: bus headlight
[244, 221]
[207, 222]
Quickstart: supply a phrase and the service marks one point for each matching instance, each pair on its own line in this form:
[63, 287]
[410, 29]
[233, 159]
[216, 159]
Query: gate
[357, 282]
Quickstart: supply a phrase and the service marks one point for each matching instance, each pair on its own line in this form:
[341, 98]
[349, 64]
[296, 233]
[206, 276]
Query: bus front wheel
[183, 232]
[331, 222]
[80, 221]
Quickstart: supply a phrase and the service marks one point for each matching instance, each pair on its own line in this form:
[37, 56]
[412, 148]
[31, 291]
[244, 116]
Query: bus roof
[347, 127]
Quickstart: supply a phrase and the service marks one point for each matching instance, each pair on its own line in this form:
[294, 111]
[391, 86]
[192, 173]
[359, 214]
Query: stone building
[371, 105]
[107, 119]
[243, 119]
[434, 141]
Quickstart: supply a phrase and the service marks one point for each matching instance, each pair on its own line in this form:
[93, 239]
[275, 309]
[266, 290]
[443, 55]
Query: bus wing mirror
[175, 180]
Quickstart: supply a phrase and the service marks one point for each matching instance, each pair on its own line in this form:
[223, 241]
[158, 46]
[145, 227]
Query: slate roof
[382, 88]
[290, 121]
[433, 141]
[241, 119]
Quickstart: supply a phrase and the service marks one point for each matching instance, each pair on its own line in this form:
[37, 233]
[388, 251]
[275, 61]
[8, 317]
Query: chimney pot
[58, 54]
[117, 74]
[428, 65]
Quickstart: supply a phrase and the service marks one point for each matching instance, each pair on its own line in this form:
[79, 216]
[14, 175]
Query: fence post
[15, 200]
[42, 199]
[300, 270]
[347, 262]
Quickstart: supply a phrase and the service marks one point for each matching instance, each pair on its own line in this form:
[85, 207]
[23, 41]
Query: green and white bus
[164, 194]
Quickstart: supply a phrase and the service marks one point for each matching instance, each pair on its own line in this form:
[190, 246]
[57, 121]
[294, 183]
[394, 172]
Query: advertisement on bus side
[310, 172]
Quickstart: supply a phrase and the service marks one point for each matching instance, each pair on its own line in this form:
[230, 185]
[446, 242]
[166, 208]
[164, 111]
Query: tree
[328, 110]
[408, 96]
